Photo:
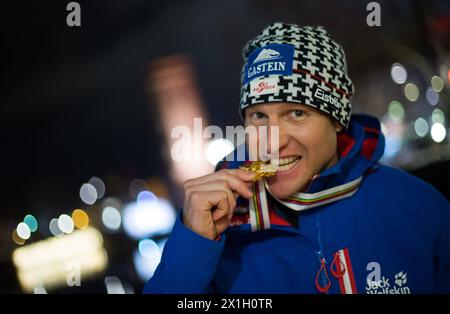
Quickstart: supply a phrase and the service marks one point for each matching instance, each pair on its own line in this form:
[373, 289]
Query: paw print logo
[401, 278]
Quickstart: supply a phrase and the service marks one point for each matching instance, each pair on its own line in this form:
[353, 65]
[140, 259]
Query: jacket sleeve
[188, 263]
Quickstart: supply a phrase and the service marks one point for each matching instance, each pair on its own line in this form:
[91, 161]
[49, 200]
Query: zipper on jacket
[322, 274]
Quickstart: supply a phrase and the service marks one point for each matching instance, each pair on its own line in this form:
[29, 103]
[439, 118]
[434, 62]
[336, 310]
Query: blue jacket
[392, 236]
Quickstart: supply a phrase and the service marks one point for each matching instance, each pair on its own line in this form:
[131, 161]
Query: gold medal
[261, 169]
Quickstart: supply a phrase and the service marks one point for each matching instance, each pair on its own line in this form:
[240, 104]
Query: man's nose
[277, 139]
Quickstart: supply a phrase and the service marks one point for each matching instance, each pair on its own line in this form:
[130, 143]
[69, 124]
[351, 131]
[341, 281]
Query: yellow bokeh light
[80, 218]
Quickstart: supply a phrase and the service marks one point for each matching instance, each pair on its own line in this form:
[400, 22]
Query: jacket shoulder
[400, 188]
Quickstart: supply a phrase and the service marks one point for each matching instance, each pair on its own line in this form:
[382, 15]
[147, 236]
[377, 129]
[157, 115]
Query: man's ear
[337, 126]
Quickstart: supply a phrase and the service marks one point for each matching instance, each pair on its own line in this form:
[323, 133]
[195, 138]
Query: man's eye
[297, 113]
[257, 115]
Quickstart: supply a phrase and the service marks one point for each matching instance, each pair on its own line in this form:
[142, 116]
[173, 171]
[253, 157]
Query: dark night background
[74, 101]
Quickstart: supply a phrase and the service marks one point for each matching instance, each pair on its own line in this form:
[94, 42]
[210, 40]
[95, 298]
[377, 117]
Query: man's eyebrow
[298, 107]
[253, 110]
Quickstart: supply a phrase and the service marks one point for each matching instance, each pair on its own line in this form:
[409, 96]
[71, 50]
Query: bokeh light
[146, 196]
[65, 223]
[398, 73]
[437, 116]
[148, 248]
[31, 222]
[217, 149]
[148, 218]
[437, 83]
[147, 257]
[411, 92]
[114, 285]
[88, 193]
[40, 290]
[137, 186]
[111, 218]
[54, 229]
[23, 231]
[18, 240]
[438, 132]
[396, 111]
[52, 262]
[432, 96]
[393, 145]
[80, 218]
[113, 202]
[161, 243]
[421, 127]
[99, 186]
[384, 129]
[146, 266]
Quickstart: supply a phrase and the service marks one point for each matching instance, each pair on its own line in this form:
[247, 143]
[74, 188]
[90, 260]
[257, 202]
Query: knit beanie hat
[288, 63]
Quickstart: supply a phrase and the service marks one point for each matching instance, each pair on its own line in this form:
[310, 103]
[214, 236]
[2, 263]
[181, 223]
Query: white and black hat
[288, 63]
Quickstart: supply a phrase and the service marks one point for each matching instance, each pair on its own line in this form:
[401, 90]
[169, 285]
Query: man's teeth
[286, 163]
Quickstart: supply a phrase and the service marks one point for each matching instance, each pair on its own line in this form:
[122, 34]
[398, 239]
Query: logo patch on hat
[271, 59]
[327, 98]
[268, 85]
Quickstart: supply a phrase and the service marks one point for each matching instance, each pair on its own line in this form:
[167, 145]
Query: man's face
[307, 143]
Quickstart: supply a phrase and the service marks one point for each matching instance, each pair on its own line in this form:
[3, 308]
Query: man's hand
[209, 201]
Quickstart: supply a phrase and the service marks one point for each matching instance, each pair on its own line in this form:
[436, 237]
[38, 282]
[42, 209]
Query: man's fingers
[234, 182]
[218, 213]
[235, 179]
[243, 188]
[210, 200]
[205, 200]
[243, 175]
[220, 204]
[216, 186]
[221, 224]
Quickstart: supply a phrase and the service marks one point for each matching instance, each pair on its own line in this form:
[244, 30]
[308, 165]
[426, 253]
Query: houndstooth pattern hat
[288, 63]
